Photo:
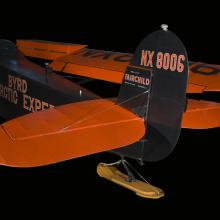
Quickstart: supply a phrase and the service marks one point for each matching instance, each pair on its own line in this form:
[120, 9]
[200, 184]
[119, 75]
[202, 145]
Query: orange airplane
[53, 119]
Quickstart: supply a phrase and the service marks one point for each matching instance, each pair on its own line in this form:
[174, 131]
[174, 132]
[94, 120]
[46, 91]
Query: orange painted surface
[193, 88]
[95, 64]
[46, 49]
[210, 82]
[67, 132]
[201, 115]
[93, 72]
[96, 67]
[104, 65]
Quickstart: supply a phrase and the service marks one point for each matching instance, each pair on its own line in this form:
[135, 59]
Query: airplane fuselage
[26, 87]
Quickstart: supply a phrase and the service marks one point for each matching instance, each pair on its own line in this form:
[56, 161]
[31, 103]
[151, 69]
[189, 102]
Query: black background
[188, 176]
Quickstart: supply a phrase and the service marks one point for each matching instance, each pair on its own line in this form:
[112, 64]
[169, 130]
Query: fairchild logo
[137, 79]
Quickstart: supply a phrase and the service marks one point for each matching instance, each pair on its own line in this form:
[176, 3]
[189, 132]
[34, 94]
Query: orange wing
[109, 66]
[203, 77]
[201, 115]
[67, 132]
[46, 49]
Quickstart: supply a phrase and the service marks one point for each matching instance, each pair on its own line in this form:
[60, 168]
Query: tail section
[154, 87]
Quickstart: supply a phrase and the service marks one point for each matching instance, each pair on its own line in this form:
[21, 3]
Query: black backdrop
[188, 176]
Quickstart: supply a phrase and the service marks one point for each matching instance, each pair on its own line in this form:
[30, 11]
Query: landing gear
[141, 188]
[131, 178]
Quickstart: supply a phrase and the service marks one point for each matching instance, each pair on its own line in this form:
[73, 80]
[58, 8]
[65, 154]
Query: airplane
[51, 118]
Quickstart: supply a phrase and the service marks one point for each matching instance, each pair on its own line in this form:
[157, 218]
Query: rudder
[154, 87]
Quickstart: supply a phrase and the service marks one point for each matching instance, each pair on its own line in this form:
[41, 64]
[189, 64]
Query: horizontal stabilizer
[201, 115]
[68, 132]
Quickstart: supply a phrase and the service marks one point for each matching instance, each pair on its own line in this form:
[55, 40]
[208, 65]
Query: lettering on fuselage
[106, 55]
[137, 79]
[8, 94]
[16, 90]
[165, 61]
